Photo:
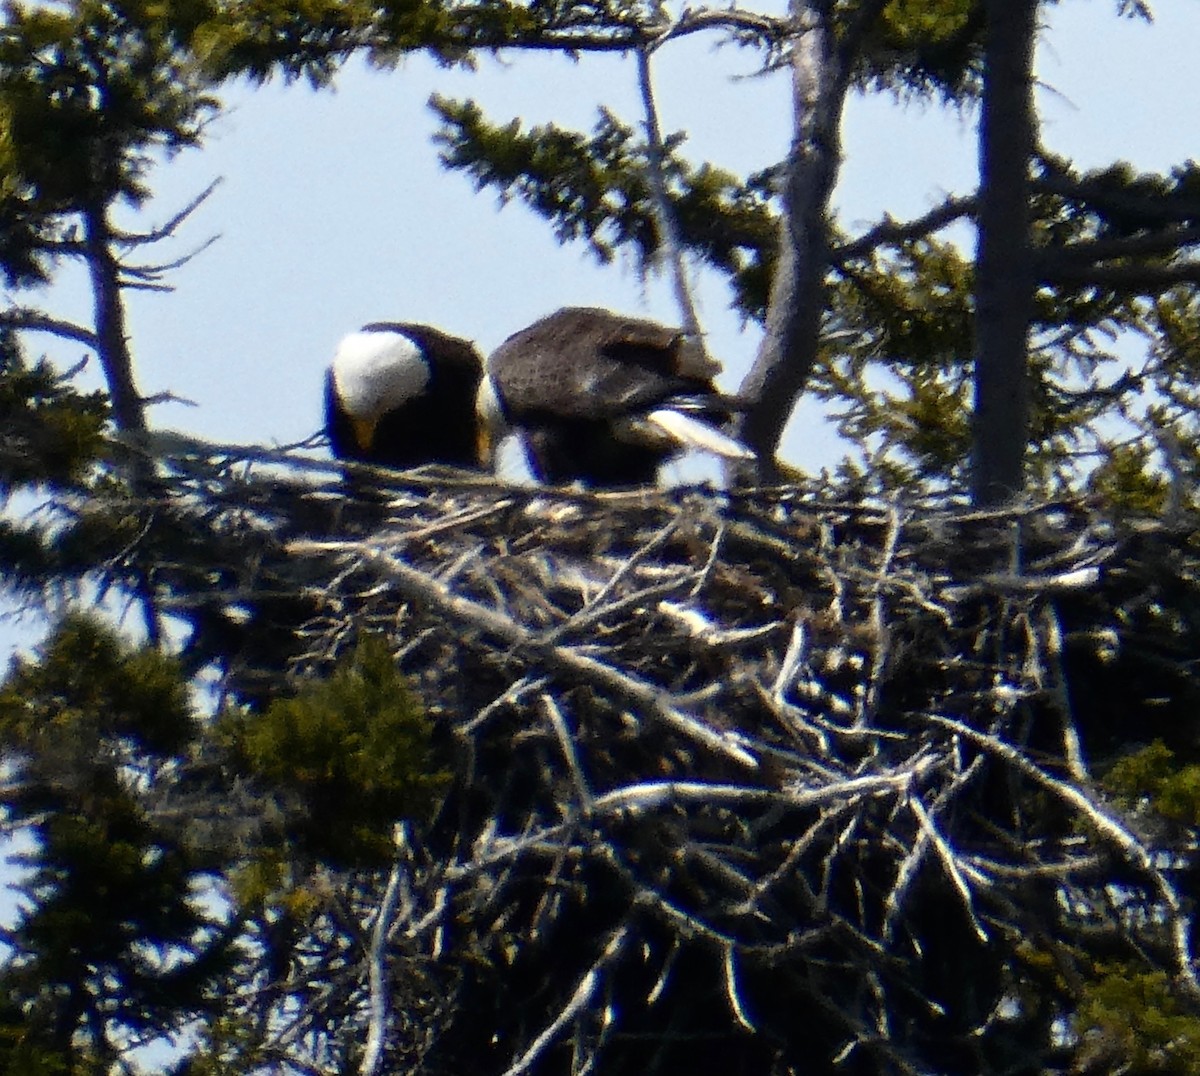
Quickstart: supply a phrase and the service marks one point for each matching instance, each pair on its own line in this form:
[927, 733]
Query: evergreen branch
[850, 40]
[1149, 278]
[1049, 261]
[1148, 208]
[640, 34]
[595, 33]
[897, 232]
[28, 320]
[153, 272]
[765, 26]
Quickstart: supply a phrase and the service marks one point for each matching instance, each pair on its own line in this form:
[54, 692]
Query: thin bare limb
[377, 965]
[170, 226]
[575, 1005]
[567, 744]
[147, 275]
[29, 320]
[1107, 825]
[889, 231]
[664, 212]
[646, 698]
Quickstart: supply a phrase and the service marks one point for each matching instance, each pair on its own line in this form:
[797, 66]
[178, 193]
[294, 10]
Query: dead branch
[775, 738]
[30, 320]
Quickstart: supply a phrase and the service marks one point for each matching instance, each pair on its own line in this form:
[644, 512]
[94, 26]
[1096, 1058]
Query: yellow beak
[364, 432]
[484, 445]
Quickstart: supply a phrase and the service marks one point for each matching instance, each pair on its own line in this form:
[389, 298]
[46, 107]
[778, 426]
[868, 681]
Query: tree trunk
[822, 57]
[1004, 268]
[112, 346]
[112, 339]
[789, 348]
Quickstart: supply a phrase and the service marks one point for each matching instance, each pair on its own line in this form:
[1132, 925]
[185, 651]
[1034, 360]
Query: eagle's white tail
[692, 433]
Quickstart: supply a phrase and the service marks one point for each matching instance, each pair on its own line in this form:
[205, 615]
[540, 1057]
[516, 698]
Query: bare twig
[1109, 827]
[672, 242]
[566, 742]
[377, 963]
[896, 232]
[575, 1005]
[649, 700]
[172, 224]
[37, 321]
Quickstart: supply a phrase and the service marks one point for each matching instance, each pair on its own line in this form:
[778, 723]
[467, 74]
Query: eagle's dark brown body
[604, 398]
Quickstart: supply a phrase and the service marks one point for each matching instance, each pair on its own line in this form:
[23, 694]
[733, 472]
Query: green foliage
[90, 90]
[111, 939]
[52, 441]
[588, 188]
[1177, 318]
[254, 38]
[901, 385]
[1129, 478]
[1136, 1022]
[89, 695]
[1126, 202]
[911, 315]
[347, 757]
[1153, 774]
[258, 38]
[1170, 446]
[51, 433]
[928, 48]
[596, 188]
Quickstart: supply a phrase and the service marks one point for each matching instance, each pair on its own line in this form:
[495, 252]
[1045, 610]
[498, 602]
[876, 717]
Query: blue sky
[334, 212]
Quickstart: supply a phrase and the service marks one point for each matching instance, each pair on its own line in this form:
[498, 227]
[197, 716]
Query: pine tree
[484, 779]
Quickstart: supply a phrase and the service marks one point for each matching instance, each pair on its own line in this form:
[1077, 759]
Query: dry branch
[723, 754]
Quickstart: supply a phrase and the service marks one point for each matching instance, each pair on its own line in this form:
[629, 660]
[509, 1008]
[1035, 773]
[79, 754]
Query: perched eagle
[401, 395]
[602, 398]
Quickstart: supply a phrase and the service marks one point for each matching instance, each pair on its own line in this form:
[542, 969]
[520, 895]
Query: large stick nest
[754, 781]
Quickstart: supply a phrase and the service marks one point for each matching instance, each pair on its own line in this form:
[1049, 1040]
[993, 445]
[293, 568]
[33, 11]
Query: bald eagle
[602, 398]
[400, 395]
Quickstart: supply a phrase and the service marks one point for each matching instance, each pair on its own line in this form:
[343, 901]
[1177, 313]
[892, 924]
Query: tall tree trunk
[1004, 266]
[112, 338]
[112, 346]
[789, 349]
[821, 58]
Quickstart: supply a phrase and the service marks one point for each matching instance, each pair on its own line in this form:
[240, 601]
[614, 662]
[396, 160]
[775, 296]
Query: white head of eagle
[402, 394]
[604, 399]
